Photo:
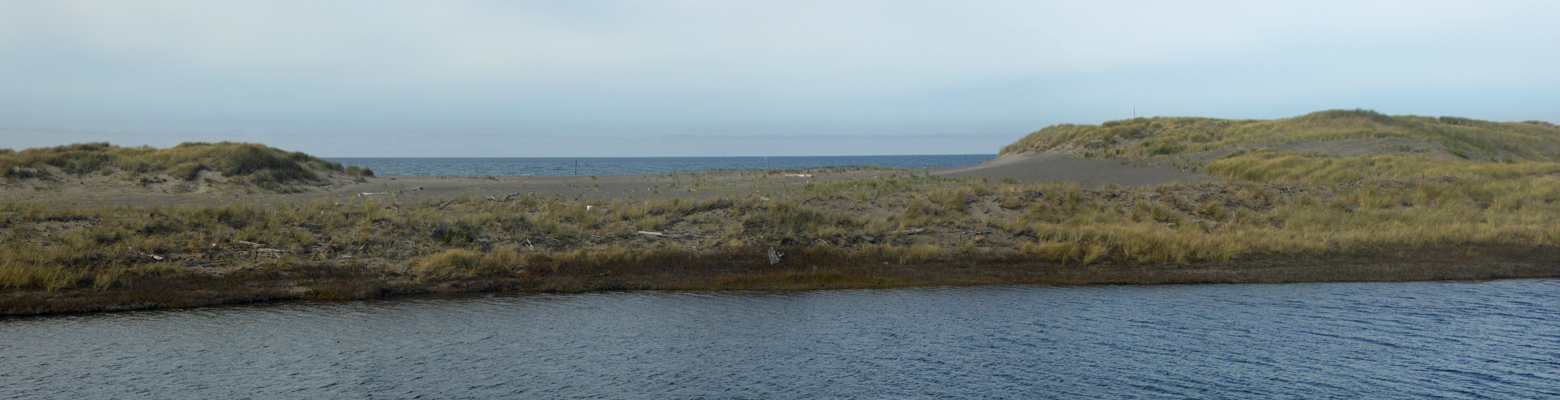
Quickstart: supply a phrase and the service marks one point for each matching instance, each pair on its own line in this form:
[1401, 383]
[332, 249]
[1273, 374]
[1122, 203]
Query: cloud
[340, 69]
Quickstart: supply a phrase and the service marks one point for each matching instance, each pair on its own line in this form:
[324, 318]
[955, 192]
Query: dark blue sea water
[641, 165]
[1301, 341]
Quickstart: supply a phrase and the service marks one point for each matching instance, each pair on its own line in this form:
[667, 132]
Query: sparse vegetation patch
[1276, 216]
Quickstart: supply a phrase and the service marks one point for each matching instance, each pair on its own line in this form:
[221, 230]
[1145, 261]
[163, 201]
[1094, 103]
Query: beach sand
[1027, 167]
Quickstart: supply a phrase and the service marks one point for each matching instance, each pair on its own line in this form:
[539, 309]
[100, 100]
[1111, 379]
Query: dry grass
[99, 248]
[1272, 166]
[1160, 136]
[1280, 217]
[249, 163]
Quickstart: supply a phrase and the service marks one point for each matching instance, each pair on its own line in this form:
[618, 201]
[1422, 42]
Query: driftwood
[774, 256]
[908, 232]
[446, 204]
[505, 198]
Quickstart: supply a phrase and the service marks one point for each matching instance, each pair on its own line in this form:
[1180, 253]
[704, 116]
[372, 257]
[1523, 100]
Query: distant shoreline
[537, 166]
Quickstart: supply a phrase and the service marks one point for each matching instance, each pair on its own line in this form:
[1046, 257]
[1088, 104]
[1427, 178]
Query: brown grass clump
[463, 263]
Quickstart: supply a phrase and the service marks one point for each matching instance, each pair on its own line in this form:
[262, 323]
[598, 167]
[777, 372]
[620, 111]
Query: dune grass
[1273, 166]
[1144, 137]
[253, 163]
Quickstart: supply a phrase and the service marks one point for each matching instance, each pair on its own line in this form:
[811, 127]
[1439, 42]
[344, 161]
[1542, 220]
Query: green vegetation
[553, 243]
[1280, 216]
[1164, 136]
[1273, 166]
[251, 163]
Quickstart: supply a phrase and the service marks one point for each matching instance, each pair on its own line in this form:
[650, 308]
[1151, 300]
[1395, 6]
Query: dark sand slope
[1053, 166]
[688, 185]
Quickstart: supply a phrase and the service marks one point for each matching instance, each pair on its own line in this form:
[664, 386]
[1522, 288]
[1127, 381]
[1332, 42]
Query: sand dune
[1051, 166]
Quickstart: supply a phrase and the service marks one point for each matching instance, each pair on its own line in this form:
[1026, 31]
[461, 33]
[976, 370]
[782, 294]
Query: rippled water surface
[1358, 340]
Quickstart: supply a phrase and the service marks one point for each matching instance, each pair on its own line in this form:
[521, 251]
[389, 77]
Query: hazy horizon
[699, 79]
[840, 156]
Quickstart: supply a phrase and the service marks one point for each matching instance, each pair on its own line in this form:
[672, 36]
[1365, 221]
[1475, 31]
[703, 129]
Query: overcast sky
[729, 78]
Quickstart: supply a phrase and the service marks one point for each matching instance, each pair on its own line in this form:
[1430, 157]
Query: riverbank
[1145, 201]
[833, 229]
[805, 268]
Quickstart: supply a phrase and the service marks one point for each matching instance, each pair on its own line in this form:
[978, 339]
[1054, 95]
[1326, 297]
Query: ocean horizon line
[637, 157]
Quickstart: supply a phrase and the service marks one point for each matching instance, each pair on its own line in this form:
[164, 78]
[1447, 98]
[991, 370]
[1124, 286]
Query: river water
[1344, 340]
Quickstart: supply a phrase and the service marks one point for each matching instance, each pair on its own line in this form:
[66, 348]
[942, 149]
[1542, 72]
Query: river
[1496, 339]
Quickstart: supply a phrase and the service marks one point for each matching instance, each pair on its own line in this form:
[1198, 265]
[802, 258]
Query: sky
[651, 78]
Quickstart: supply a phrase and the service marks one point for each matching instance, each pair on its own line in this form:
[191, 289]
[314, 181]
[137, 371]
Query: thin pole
[576, 166]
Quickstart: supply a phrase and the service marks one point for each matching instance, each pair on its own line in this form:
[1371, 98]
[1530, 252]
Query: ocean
[510, 166]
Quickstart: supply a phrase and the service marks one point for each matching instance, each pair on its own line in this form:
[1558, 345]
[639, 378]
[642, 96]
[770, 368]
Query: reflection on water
[1372, 340]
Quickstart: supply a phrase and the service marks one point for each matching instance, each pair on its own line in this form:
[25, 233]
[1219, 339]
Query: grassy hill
[1168, 136]
[1253, 150]
[250, 163]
